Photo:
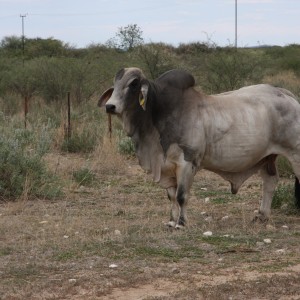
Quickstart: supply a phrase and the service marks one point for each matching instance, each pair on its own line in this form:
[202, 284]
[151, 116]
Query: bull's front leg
[185, 174]
[174, 215]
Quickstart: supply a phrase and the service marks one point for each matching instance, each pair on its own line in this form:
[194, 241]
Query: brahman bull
[178, 130]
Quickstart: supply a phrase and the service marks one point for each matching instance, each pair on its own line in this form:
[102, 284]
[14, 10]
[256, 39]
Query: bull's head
[130, 87]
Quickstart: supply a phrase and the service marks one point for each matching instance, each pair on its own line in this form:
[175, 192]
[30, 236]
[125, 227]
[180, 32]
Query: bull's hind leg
[270, 180]
[185, 174]
[295, 162]
[174, 215]
[294, 159]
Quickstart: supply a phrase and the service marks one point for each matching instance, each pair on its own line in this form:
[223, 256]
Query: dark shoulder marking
[177, 78]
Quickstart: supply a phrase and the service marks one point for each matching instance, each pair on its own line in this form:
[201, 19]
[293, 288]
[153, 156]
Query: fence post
[25, 110]
[109, 126]
[69, 117]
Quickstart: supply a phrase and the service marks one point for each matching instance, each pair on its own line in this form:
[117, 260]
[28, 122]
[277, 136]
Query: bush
[156, 58]
[284, 194]
[125, 144]
[285, 58]
[83, 143]
[11, 104]
[230, 69]
[284, 167]
[22, 170]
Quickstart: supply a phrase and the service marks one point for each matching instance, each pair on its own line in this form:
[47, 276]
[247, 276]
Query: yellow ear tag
[142, 102]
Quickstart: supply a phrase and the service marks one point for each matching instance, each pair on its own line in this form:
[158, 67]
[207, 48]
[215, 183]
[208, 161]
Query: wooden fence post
[25, 110]
[69, 117]
[109, 126]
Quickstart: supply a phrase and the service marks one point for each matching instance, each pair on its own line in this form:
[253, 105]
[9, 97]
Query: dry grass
[285, 79]
[62, 249]
[106, 157]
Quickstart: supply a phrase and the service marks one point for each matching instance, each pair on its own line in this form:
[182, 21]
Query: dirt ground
[108, 240]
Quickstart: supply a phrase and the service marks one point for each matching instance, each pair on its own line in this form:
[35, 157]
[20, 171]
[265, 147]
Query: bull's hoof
[260, 218]
[171, 224]
[179, 227]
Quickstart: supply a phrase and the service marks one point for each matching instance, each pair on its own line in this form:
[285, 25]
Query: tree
[157, 58]
[11, 45]
[127, 37]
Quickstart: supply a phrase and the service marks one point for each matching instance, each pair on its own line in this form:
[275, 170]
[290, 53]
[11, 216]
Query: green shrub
[284, 194]
[284, 167]
[125, 144]
[22, 169]
[84, 176]
[229, 69]
[80, 142]
[156, 58]
[285, 58]
[11, 103]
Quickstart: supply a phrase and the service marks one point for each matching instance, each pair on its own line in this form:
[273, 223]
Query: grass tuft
[84, 176]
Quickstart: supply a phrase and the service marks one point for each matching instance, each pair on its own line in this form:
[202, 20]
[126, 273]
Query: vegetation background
[43, 71]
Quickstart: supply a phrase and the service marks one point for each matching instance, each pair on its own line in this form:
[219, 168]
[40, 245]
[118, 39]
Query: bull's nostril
[110, 108]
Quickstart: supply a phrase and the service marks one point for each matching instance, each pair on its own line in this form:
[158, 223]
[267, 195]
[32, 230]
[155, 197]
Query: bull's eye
[134, 85]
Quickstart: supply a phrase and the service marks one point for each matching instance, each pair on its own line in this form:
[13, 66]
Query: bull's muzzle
[110, 108]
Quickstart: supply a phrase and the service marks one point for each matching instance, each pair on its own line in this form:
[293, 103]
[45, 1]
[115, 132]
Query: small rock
[203, 189]
[206, 200]
[77, 232]
[270, 227]
[225, 218]
[203, 213]
[43, 222]
[208, 219]
[285, 227]
[113, 266]
[72, 280]
[117, 232]
[256, 211]
[207, 233]
[226, 235]
[175, 271]
[280, 251]
[66, 236]
[267, 241]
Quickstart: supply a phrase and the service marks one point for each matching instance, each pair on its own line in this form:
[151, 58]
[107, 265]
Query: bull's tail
[297, 193]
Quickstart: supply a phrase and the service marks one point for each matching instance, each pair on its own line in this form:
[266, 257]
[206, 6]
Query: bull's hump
[177, 78]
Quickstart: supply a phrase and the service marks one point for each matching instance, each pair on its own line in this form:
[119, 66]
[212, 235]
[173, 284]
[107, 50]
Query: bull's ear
[144, 95]
[105, 97]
